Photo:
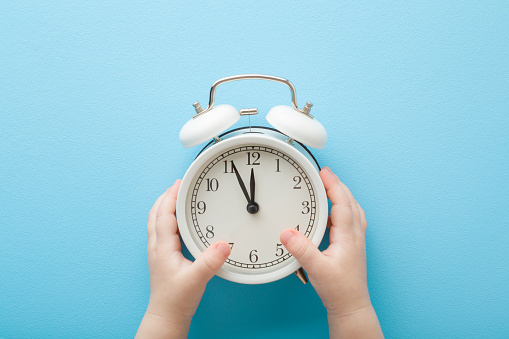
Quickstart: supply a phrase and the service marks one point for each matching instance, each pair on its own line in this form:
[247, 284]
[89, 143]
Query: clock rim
[260, 127]
[271, 141]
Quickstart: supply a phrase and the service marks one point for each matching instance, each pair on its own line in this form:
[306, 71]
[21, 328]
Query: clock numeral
[279, 250]
[231, 245]
[210, 231]
[202, 207]
[305, 209]
[277, 165]
[255, 158]
[226, 166]
[297, 228]
[297, 179]
[212, 184]
[252, 256]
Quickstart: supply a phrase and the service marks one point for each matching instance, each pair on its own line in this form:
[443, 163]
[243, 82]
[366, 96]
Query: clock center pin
[253, 208]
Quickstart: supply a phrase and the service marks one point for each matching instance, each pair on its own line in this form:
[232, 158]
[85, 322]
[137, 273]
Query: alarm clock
[249, 184]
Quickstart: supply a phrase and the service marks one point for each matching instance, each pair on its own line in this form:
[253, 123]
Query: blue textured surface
[415, 98]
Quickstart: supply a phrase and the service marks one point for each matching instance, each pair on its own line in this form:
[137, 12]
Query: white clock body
[212, 206]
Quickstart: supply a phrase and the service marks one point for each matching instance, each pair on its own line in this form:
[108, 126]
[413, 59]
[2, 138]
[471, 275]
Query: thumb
[306, 253]
[211, 260]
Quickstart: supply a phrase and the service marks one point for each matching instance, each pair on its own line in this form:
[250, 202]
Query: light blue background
[415, 98]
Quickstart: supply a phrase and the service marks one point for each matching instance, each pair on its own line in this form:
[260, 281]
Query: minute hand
[241, 183]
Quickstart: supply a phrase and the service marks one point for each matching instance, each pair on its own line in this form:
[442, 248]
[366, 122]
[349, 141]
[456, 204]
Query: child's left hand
[176, 284]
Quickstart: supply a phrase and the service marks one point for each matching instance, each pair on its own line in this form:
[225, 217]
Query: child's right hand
[338, 274]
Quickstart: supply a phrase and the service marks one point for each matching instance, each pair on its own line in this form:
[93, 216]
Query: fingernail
[327, 170]
[224, 248]
[286, 236]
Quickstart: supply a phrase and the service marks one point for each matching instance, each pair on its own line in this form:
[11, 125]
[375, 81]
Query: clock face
[220, 205]
[245, 190]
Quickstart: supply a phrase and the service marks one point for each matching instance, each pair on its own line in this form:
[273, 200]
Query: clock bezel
[272, 139]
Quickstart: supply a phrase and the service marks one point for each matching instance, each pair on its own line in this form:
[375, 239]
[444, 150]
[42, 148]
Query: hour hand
[252, 187]
[252, 206]
[241, 183]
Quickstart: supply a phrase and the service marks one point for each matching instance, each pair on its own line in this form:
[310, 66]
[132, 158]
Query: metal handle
[257, 77]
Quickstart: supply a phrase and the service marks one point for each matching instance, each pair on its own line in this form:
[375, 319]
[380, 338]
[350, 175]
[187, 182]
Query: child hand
[176, 284]
[338, 274]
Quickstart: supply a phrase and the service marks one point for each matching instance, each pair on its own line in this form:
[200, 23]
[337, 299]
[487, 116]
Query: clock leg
[301, 275]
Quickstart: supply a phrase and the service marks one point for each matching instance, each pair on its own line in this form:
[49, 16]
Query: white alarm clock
[249, 184]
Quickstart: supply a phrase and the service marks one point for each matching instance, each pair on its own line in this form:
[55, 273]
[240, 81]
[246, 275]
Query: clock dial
[246, 196]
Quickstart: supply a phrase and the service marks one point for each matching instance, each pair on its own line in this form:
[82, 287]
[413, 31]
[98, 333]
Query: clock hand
[241, 183]
[252, 207]
[252, 187]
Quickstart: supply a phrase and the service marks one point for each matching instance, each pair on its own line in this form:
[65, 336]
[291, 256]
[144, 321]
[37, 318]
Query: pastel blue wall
[415, 98]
